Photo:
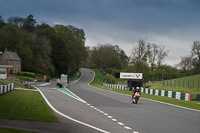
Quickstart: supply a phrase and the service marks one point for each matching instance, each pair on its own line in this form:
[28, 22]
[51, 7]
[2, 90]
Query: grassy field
[99, 78]
[189, 104]
[25, 105]
[190, 84]
[9, 130]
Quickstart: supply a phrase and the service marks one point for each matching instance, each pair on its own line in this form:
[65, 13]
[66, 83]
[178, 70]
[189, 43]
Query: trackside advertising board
[130, 75]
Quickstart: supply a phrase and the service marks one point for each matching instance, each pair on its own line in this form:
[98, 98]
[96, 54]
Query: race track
[145, 117]
[87, 109]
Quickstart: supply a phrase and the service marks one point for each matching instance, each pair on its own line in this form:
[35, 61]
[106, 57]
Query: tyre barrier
[6, 88]
[115, 86]
[171, 94]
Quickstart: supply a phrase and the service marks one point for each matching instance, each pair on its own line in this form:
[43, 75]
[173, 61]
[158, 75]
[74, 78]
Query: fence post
[174, 83]
[171, 83]
[193, 84]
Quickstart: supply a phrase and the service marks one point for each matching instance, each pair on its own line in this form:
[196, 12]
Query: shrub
[111, 79]
[111, 71]
[27, 74]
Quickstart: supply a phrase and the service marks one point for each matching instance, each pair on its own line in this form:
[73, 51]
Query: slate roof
[13, 55]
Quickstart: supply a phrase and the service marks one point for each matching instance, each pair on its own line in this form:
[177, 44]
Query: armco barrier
[171, 94]
[6, 88]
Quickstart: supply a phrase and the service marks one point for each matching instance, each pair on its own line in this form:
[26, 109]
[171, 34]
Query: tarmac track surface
[145, 117]
[109, 112]
[89, 119]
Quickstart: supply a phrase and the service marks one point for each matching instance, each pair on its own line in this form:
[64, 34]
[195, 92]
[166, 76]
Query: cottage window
[2, 70]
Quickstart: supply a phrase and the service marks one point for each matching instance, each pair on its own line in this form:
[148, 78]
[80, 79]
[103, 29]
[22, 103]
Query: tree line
[145, 58]
[58, 49]
[44, 49]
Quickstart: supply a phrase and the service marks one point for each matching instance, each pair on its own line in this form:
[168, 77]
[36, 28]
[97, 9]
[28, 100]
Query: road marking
[44, 84]
[69, 93]
[122, 124]
[172, 105]
[68, 117]
[109, 117]
[98, 110]
[128, 128]
[25, 89]
[146, 99]
[114, 120]
[101, 111]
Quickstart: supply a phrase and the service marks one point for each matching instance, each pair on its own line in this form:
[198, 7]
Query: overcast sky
[172, 23]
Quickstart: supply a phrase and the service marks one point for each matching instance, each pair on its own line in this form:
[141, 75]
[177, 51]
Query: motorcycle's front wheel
[136, 100]
[133, 99]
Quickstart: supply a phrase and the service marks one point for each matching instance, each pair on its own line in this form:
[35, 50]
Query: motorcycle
[135, 97]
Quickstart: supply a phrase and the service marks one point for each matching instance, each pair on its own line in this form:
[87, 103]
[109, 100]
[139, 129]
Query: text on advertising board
[131, 75]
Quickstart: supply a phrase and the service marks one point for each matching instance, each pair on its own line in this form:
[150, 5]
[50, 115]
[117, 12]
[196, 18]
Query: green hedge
[28, 74]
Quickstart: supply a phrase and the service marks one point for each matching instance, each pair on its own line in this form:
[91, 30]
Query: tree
[162, 53]
[139, 53]
[114, 62]
[108, 56]
[186, 63]
[29, 23]
[74, 42]
[17, 21]
[9, 37]
[2, 23]
[41, 49]
[196, 55]
[152, 54]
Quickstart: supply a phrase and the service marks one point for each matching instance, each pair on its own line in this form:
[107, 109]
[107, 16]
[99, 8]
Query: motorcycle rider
[136, 89]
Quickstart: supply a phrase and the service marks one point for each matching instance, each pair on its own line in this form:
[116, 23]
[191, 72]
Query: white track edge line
[93, 127]
[146, 98]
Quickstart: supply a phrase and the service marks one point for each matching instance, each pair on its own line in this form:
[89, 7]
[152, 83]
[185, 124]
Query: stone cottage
[11, 59]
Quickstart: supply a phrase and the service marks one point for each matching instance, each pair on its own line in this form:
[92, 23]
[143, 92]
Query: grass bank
[25, 105]
[75, 77]
[23, 78]
[189, 84]
[99, 78]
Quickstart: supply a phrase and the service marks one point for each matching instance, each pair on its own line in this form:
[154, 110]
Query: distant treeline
[61, 49]
[43, 49]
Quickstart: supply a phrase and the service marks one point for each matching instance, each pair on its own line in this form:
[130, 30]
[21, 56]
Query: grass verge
[75, 78]
[99, 77]
[23, 78]
[25, 105]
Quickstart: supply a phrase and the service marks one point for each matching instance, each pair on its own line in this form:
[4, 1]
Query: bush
[111, 79]
[27, 74]
[111, 71]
